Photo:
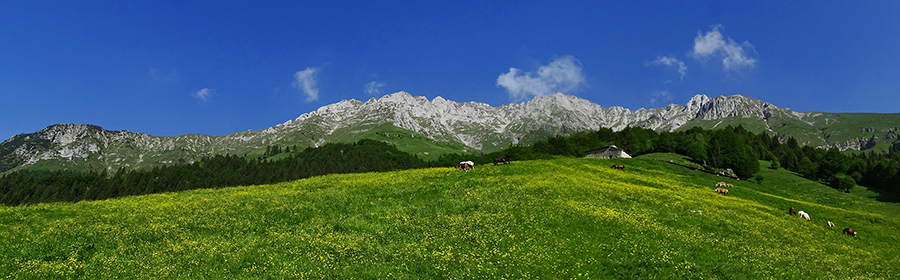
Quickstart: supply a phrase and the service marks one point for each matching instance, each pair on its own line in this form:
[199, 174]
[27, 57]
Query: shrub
[758, 178]
[775, 164]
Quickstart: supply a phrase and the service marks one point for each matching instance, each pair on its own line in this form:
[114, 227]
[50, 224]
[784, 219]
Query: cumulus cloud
[561, 75]
[374, 88]
[662, 97]
[306, 81]
[671, 61]
[203, 94]
[714, 44]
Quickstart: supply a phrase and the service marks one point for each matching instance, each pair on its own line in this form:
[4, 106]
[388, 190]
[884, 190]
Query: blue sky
[218, 67]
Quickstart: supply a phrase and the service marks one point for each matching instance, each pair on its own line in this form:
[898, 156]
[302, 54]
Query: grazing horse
[850, 231]
[722, 191]
[501, 161]
[464, 166]
[803, 215]
[792, 211]
[721, 184]
[830, 224]
[618, 166]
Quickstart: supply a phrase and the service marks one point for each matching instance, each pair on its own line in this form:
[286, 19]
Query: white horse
[803, 215]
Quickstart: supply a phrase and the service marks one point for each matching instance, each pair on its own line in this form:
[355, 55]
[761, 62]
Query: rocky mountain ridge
[463, 126]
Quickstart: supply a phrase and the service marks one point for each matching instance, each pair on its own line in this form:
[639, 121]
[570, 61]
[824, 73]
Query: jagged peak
[697, 101]
[70, 126]
[400, 95]
[558, 97]
[339, 106]
[66, 133]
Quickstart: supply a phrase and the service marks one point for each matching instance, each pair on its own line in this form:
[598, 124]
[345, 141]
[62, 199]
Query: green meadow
[560, 218]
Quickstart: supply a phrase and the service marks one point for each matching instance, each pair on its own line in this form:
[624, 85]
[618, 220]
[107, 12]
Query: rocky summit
[438, 126]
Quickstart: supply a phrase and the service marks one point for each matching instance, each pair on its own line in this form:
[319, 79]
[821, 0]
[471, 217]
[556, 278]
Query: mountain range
[429, 128]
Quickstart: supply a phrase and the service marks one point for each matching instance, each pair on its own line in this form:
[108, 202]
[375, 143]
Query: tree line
[734, 148]
[28, 186]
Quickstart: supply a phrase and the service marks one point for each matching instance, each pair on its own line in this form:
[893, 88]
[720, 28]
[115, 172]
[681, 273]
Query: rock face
[477, 126]
[482, 126]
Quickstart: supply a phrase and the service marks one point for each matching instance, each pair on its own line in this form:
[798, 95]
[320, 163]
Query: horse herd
[791, 211]
[467, 165]
[721, 188]
[802, 214]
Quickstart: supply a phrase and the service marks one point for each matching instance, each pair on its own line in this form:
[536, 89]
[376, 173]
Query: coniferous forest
[25, 187]
[732, 147]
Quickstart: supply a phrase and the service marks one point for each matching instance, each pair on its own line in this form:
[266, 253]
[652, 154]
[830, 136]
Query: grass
[560, 218]
[413, 143]
[829, 128]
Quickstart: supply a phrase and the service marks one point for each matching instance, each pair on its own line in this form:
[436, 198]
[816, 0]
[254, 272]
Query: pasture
[559, 218]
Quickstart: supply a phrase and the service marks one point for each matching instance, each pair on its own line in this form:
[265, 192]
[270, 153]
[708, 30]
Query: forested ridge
[732, 147]
[25, 187]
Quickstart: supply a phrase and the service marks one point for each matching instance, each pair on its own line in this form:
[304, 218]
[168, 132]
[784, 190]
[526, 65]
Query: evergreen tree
[728, 150]
[842, 182]
[831, 163]
[807, 168]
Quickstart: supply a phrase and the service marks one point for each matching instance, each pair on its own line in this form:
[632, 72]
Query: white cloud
[374, 88]
[714, 44]
[561, 75]
[662, 97]
[671, 61]
[306, 81]
[203, 94]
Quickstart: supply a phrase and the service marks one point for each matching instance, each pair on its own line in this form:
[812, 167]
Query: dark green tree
[775, 163]
[831, 163]
[806, 168]
[842, 182]
[728, 150]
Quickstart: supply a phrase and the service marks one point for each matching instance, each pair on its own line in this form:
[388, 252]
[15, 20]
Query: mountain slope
[429, 128]
[561, 218]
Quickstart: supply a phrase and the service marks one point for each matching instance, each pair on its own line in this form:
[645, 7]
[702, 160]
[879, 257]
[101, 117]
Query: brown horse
[792, 211]
[850, 231]
[618, 166]
[722, 191]
[463, 166]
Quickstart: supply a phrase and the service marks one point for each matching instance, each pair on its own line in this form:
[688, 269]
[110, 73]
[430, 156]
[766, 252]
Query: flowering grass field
[561, 218]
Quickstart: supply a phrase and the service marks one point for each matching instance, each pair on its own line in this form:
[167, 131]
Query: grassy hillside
[802, 132]
[561, 218]
[410, 142]
[837, 127]
[823, 129]
[405, 140]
